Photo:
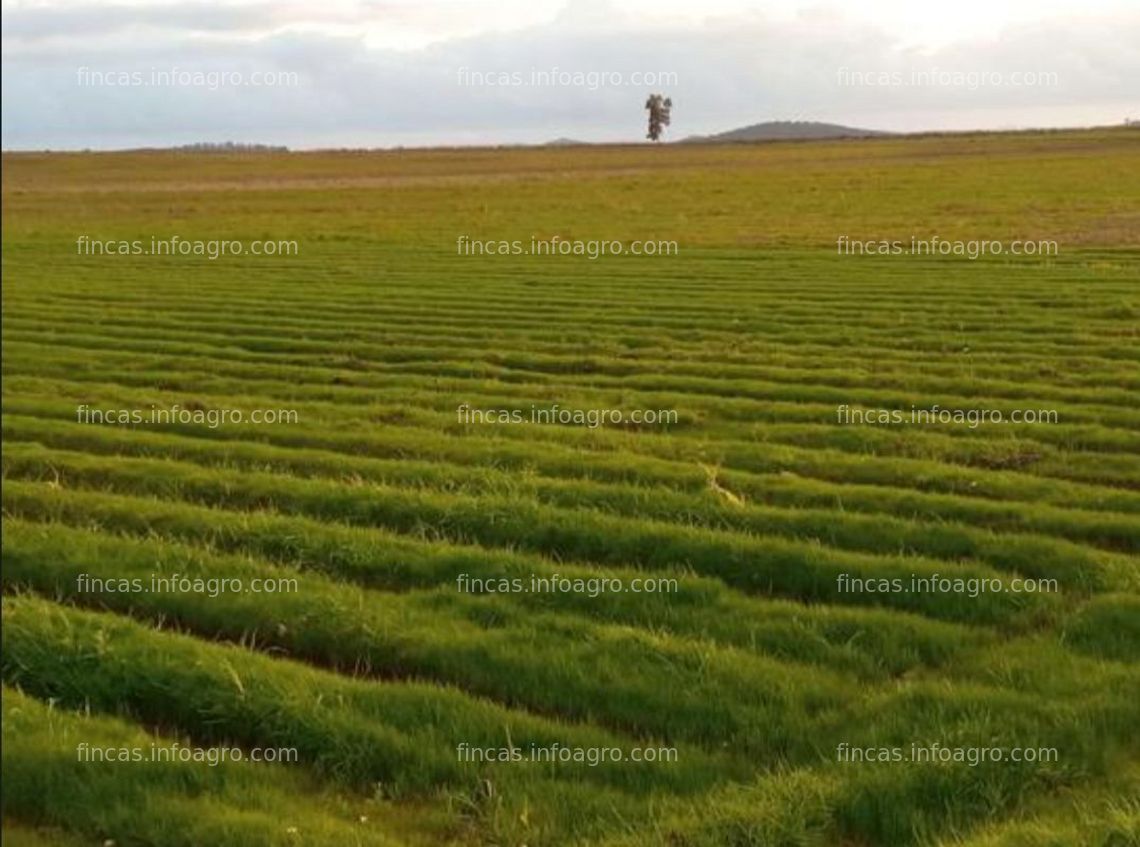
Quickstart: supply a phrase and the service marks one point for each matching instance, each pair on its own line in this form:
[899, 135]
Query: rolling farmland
[812, 582]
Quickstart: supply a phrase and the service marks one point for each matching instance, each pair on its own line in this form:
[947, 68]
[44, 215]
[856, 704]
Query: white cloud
[732, 65]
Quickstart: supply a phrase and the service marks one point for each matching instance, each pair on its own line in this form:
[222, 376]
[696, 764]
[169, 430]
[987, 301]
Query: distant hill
[564, 142]
[786, 131]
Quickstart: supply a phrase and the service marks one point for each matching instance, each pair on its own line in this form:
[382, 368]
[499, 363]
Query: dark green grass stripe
[232, 804]
[357, 731]
[300, 352]
[867, 642]
[440, 637]
[831, 465]
[723, 346]
[1073, 565]
[770, 566]
[64, 358]
[884, 330]
[1048, 447]
[558, 461]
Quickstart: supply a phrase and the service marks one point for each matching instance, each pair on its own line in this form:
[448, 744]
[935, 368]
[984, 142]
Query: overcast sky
[351, 73]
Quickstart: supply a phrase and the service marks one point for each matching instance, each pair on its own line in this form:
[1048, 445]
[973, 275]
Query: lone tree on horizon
[659, 108]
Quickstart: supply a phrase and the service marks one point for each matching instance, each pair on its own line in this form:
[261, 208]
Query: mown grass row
[723, 347]
[608, 363]
[789, 298]
[682, 693]
[869, 643]
[48, 784]
[1043, 449]
[398, 739]
[1074, 566]
[1105, 812]
[683, 392]
[282, 350]
[1077, 702]
[1040, 448]
[950, 322]
[723, 414]
[607, 464]
[226, 695]
[796, 570]
[829, 465]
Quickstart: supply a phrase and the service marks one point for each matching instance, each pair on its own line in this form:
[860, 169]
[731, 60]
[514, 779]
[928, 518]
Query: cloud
[85, 22]
[723, 73]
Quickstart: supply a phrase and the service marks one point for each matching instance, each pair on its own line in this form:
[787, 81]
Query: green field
[755, 670]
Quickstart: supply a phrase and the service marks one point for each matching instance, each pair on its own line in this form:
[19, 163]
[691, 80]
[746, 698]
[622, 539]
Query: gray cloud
[726, 73]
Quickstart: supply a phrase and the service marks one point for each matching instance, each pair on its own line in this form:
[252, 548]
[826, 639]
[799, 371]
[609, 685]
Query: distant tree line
[231, 147]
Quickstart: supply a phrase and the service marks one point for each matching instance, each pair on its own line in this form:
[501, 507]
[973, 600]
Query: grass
[755, 670]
